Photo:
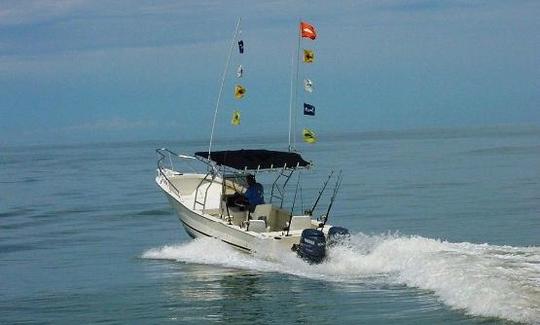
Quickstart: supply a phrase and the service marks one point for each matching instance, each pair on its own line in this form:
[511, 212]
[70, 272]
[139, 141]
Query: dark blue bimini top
[255, 159]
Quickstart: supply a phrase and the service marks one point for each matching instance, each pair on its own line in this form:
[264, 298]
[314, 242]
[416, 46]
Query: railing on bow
[165, 172]
[164, 153]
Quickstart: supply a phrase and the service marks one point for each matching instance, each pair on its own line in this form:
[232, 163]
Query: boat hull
[200, 225]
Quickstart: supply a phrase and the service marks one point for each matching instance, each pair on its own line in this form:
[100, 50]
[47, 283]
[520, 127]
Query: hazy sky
[90, 70]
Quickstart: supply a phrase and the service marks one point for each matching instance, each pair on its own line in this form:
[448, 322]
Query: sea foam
[480, 279]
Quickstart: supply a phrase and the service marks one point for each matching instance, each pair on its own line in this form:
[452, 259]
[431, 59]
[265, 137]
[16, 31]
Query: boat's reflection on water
[239, 296]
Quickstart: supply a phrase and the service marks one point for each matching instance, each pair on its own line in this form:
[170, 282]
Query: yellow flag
[235, 118]
[239, 91]
[309, 136]
[309, 56]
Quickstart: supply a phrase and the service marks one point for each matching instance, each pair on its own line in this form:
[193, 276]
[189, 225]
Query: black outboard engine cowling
[312, 247]
[337, 234]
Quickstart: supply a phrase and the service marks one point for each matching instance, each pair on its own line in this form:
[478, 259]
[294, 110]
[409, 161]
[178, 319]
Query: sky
[90, 71]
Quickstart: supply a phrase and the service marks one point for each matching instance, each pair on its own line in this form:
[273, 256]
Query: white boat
[201, 199]
[200, 202]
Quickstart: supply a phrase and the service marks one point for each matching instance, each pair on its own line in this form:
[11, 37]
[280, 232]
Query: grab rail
[210, 176]
[161, 168]
[165, 153]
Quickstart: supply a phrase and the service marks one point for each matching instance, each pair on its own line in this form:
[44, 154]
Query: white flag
[239, 71]
[308, 85]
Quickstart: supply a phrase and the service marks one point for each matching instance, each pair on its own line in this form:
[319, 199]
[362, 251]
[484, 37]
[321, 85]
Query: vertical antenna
[291, 97]
[294, 94]
[222, 83]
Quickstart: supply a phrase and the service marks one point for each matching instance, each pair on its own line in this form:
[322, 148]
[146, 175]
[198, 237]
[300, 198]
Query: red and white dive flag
[307, 30]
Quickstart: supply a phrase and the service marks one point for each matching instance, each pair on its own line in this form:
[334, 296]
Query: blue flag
[309, 109]
[241, 46]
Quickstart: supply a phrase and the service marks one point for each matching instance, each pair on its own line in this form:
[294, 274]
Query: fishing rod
[332, 199]
[292, 209]
[310, 212]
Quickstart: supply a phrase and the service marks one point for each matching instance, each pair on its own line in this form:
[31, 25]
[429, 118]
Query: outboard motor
[312, 247]
[337, 234]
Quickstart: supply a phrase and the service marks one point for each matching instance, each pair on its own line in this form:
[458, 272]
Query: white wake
[482, 279]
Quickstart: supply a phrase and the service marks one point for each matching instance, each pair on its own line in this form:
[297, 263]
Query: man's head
[250, 179]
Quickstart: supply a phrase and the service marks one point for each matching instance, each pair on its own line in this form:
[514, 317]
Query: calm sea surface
[446, 228]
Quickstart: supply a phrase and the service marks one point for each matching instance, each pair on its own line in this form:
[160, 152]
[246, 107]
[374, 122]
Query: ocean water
[445, 223]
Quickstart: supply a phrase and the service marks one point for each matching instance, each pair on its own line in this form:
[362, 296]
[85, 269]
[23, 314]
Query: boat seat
[278, 219]
[234, 214]
[262, 210]
[300, 222]
[257, 225]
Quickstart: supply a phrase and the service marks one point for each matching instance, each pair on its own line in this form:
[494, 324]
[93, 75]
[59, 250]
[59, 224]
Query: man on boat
[255, 192]
[253, 195]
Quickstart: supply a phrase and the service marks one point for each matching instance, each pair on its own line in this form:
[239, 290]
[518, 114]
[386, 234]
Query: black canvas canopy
[255, 159]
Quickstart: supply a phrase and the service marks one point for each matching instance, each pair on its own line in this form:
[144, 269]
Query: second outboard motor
[312, 247]
[337, 234]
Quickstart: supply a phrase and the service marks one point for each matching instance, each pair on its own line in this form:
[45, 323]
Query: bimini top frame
[235, 163]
